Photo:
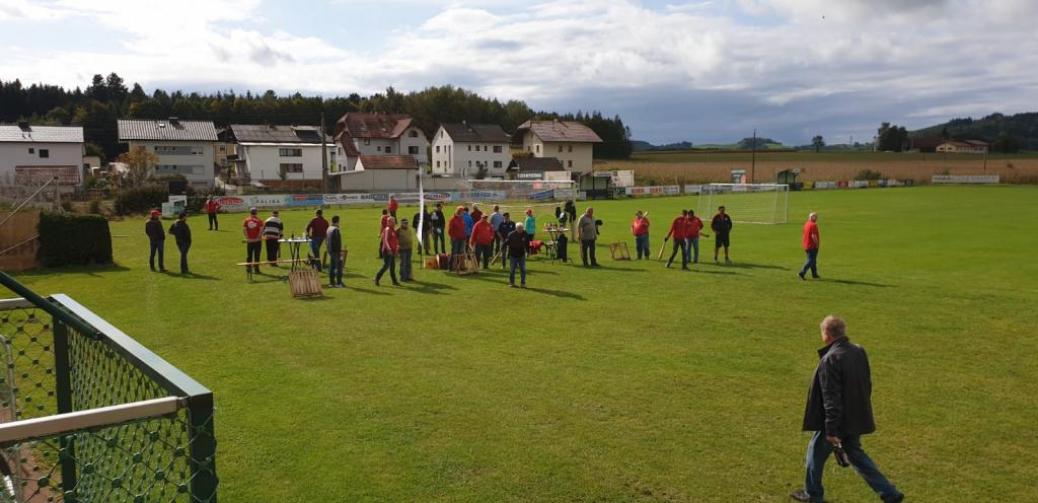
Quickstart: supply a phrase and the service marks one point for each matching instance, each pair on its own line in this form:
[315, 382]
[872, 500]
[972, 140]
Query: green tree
[818, 142]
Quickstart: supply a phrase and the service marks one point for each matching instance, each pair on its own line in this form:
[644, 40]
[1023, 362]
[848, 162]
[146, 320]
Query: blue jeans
[157, 247]
[315, 250]
[520, 263]
[457, 246]
[812, 263]
[641, 245]
[183, 247]
[405, 265]
[693, 249]
[818, 451]
[484, 253]
[335, 266]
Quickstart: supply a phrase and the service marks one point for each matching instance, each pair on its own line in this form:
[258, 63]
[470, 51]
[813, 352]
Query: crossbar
[59, 424]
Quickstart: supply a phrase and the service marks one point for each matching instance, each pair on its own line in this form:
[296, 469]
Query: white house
[183, 147]
[33, 154]
[359, 134]
[963, 147]
[572, 143]
[381, 173]
[282, 156]
[464, 150]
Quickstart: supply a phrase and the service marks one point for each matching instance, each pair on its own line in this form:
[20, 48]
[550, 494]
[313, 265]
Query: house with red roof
[571, 142]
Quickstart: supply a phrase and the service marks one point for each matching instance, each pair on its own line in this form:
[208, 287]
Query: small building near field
[381, 173]
[183, 147]
[571, 142]
[31, 155]
[963, 147]
[468, 150]
[528, 168]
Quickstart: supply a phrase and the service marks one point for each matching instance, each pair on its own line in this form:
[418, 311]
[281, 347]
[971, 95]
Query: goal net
[533, 191]
[750, 203]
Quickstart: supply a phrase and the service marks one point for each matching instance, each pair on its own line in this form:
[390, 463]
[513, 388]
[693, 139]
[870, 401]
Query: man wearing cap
[335, 264]
[273, 230]
[212, 208]
[252, 228]
[483, 240]
[316, 230]
[182, 233]
[156, 240]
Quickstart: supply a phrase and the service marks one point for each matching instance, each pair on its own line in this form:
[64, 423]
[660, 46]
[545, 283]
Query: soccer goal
[750, 203]
[544, 191]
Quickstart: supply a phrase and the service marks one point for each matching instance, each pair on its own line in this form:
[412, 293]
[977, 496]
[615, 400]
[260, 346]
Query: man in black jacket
[504, 230]
[156, 240]
[182, 233]
[438, 223]
[839, 411]
[335, 262]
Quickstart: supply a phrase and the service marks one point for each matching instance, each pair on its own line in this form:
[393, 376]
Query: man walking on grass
[839, 412]
[390, 248]
[335, 263]
[811, 241]
[722, 227]
[588, 234]
[516, 247]
[405, 243]
[677, 232]
[182, 233]
[156, 240]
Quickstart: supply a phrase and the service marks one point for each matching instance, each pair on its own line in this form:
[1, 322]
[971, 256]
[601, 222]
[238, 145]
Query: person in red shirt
[456, 231]
[392, 206]
[390, 247]
[316, 230]
[252, 229]
[476, 213]
[483, 240]
[693, 226]
[382, 224]
[811, 242]
[640, 229]
[212, 208]
[677, 231]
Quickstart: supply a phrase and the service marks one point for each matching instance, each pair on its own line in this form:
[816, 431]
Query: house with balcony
[358, 134]
[470, 150]
[571, 142]
[31, 155]
[283, 157]
[183, 147]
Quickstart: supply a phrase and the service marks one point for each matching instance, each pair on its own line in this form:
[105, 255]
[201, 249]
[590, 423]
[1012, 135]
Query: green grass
[764, 155]
[629, 383]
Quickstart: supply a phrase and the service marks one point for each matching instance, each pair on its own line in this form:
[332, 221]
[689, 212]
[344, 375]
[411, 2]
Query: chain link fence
[87, 414]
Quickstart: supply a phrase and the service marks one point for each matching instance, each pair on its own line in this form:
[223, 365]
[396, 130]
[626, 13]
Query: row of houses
[367, 151]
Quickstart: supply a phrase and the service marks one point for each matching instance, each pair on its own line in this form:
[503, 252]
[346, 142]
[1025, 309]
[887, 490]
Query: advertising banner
[981, 179]
[655, 190]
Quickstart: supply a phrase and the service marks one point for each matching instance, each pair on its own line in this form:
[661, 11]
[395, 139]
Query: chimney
[174, 121]
[24, 126]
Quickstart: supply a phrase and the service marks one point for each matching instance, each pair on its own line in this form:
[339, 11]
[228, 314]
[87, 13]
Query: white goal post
[750, 203]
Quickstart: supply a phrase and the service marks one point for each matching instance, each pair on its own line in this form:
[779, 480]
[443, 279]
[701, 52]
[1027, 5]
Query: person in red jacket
[212, 208]
[640, 229]
[693, 226]
[483, 240]
[811, 241]
[677, 231]
[392, 206]
[390, 247]
[382, 224]
[252, 229]
[456, 231]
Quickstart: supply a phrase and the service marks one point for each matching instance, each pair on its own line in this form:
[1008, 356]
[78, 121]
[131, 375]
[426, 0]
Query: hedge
[71, 239]
[140, 199]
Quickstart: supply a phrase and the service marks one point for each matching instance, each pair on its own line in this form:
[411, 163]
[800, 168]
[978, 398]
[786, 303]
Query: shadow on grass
[747, 265]
[427, 287]
[857, 283]
[608, 268]
[556, 293]
[89, 270]
[727, 273]
[368, 291]
[195, 275]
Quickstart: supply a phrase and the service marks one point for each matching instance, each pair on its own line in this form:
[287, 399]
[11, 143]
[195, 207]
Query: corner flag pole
[421, 211]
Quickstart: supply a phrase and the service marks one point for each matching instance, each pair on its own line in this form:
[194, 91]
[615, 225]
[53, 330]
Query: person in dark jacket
[507, 227]
[156, 240]
[516, 245]
[438, 225]
[335, 265]
[182, 233]
[721, 224]
[426, 231]
[839, 412]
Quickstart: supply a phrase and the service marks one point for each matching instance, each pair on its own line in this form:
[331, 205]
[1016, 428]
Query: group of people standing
[685, 230]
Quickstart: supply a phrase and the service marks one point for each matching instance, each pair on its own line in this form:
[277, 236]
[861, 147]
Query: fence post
[63, 391]
[202, 459]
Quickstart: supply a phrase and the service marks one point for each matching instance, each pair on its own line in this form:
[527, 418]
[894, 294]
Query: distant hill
[643, 146]
[1004, 132]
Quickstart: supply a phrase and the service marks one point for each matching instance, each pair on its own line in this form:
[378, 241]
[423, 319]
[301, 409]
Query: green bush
[69, 239]
[868, 174]
[140, 199]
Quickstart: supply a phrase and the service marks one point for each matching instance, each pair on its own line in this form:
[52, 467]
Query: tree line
[107, 99]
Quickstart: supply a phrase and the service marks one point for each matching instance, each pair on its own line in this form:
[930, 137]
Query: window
[437, 164]
[470, 148]
[290, 152]
[44, 153]
[412, 134]
[32, 150]
[569, 163]
[560, 148]
[413, 150]
[497, 149]
[388, 149]
[571, 148]
[470, 164]
[497, 164]
[538, 149]
[291, 167]
[177, 150]
[437, 149]
[340, 150]
[379, 148]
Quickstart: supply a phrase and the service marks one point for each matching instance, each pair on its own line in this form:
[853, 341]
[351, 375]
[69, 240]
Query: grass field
[628, 383]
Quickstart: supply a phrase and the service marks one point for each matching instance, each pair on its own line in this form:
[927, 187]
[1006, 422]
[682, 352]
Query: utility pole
[753, 158]
[324, 156]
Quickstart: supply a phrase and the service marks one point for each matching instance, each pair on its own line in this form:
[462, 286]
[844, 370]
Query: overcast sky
[707, 71]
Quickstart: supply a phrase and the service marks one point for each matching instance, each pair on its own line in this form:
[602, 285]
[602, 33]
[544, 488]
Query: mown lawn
[627, 383]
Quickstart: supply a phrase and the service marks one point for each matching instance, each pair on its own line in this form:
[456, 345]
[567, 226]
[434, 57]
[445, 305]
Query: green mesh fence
[52, 368]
